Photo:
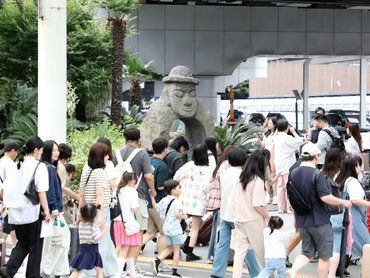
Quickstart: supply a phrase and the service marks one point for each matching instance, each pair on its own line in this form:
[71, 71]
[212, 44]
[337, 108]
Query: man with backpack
[131, 158]
[328, 138]
[308, 197]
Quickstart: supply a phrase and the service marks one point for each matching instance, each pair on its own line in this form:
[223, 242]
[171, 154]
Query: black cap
[10, 145]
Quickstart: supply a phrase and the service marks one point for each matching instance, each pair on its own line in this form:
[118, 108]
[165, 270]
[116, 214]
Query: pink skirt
[121, 238]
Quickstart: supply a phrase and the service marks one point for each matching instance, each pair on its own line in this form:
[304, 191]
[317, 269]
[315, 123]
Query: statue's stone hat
[180, 74]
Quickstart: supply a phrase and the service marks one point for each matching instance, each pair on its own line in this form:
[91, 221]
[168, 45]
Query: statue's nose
[188, 101]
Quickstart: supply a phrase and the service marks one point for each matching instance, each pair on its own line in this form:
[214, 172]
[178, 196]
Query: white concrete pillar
[52, 70]
[306, 93]
[363, 90]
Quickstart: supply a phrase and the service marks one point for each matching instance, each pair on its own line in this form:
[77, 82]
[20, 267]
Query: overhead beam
[363, 90]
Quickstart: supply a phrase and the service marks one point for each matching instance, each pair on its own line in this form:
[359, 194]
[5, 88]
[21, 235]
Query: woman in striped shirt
[95, 189]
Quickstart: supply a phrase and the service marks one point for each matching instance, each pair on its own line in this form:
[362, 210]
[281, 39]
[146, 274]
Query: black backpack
[299, 203]
[337, 143]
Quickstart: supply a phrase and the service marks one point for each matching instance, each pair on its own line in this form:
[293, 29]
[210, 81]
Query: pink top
[246, 201]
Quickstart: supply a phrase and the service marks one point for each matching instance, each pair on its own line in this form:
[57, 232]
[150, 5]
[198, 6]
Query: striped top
[98, 177]
[88, 233]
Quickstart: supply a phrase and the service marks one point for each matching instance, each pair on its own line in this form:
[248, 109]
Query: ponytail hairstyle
[126, 177]
[275, 222]
[211, 143]
[88, 213]
[29, 147]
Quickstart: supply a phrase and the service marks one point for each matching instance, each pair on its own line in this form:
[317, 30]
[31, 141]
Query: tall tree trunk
[135, 95]
[118, 36]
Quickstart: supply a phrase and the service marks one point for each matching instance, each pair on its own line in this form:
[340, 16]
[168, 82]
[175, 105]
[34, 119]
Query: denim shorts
[176, 240]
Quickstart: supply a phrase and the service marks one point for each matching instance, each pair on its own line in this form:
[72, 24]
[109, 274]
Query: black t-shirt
[302, 179]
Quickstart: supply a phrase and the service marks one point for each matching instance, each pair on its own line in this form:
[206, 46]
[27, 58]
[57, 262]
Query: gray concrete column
[306, 92]
[52, 70]
[363, 90]
[207, 93]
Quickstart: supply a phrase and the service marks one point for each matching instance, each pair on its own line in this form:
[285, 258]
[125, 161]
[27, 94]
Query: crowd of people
[161, 197]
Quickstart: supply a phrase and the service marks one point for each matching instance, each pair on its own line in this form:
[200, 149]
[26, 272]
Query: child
[127, 245]
[88, 256]
[170, 209]
[275, 251]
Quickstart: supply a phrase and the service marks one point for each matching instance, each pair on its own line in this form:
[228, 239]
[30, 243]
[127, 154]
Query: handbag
[57, 239]
[132, 227]
[31, 192]
[115, 208]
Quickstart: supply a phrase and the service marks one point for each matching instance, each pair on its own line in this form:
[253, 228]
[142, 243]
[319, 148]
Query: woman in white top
[109, 166]
[195, 179]
[95, 189]
[350, 186]
[354, 143]
[268, 143]
[25, 216]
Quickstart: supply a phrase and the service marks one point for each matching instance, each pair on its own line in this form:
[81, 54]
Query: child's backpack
[337, 143]
[124, 166]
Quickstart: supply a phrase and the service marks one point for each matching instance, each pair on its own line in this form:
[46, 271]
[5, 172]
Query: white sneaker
[139, 270]
[165, 268]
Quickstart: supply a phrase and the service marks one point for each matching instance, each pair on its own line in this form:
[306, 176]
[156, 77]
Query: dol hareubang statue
[178, 101]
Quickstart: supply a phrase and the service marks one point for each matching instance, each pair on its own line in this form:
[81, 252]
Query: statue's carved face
[182, 97]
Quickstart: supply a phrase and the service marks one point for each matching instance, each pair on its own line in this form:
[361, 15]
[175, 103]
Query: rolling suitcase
[205, 230]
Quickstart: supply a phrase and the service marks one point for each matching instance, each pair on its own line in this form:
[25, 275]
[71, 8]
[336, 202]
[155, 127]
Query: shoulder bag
[31, 192]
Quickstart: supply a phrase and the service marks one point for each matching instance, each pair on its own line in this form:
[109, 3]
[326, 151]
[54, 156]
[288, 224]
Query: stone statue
[178, 101]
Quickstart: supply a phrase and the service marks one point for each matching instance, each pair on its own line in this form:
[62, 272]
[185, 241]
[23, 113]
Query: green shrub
[81, 140]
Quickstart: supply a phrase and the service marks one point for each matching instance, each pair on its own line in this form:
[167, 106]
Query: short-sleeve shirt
[88, 233]
[140, 165]
[128, 199]
[246, 200]
[161, 175]
[109, 170]
[171, 226]
[302, 180]
[21, 210]
[6, 165]
[174, 161]
[354, 189]
[98, 177]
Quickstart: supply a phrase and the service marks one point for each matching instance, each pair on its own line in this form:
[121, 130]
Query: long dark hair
[48, 152]
[255, 166]
[355, 133]
[347, 170]
[96, 156]
[223, 157]
[333, 163]
[211, 143]
[31, 144]
[125, 179]
[274, 121]
[267, 154]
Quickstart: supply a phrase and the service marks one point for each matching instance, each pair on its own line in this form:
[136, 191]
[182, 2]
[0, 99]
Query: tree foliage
[88, 57]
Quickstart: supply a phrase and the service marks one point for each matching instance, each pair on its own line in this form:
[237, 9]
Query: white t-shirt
[171, 226]
[109, 169]
[229, 180]
[275, 243]
[6, 167]
[354, 189]
[352, 147]
[21, 210]
[128, 199]
[285, 147]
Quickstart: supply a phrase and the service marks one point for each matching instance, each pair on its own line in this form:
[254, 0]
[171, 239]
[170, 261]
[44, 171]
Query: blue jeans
[212, 241]
[222, 249]
[271, 266]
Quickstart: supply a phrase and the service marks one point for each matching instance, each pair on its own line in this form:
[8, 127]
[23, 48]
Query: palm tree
[118, 16]
[136, 72]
